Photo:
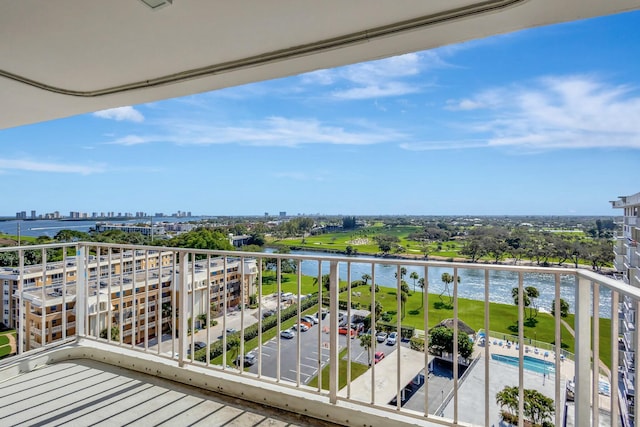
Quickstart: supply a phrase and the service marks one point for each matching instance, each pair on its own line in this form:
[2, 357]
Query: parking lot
[313, 357]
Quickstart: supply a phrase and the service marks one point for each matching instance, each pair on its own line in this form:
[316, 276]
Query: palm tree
[508, 397]
[403, 272]
[415, 277]
[326, 281]
[421, 284]
[403, 299]
[365, 279]
[365, 342]
[447, 279]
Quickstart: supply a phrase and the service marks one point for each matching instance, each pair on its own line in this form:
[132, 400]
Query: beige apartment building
[139, 288]
[627, 262]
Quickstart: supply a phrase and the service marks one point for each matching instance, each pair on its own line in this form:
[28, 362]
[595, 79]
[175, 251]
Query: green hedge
[406, 332]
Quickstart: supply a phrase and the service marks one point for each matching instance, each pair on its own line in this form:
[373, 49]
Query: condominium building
[124, 284]
[627, 262]
[152, 230]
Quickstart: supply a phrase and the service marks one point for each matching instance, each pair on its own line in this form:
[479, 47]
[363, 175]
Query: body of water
[51, 227]
[471, 284]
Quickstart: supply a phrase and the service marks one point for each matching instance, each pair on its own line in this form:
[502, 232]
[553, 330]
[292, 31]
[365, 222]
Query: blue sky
[543, 121]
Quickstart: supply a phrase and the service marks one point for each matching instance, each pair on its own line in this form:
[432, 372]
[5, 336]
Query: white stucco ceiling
[65, 57]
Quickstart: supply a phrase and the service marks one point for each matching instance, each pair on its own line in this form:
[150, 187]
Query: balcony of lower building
[323, 376]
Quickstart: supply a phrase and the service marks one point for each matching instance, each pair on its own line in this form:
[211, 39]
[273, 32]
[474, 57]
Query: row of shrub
[251, 332]
[342, 305]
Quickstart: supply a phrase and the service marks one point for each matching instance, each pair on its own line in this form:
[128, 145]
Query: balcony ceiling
[66, 57]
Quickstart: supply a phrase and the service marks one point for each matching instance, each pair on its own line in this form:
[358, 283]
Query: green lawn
[5, 348]
[357, 369]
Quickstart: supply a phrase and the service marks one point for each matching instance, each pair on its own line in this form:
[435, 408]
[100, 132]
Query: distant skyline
[538, 122]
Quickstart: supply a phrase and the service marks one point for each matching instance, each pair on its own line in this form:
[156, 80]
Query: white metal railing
[129, 315]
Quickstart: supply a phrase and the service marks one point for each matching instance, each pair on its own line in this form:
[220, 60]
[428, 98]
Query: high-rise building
[33, 214]
[627, 262]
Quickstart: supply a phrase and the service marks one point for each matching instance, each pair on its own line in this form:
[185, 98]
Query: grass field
[502, 317]
[362, 240]
[5, 347]
[357, 369]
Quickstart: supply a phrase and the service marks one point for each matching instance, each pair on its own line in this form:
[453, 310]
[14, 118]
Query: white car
[300, 327]
[393, 337]
[288, 333]
[381, 336]
[310, 319]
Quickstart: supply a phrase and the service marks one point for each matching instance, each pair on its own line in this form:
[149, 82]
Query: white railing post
[81, 291]
[182, 298]
[334, 291]
[582, 352]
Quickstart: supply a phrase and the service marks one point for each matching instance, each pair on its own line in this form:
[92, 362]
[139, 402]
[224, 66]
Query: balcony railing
[323, 362]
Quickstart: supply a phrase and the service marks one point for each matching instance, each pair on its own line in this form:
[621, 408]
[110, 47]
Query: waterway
[471, 282]
[50, 228]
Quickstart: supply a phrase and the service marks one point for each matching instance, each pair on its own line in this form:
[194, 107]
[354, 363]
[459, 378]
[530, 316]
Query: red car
[378, 356]
[345, 330]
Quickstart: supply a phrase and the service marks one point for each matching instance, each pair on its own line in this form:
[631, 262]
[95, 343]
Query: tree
[533, 293]
[564, 308]
[365, 342]
[365, 279]
[403, 301]
[386, 242]
[448, 279]
[326, 282]
[526, 302]
[441, 340]
[403, 272]
[425, 248]
[421, 284]
[233, 345]
[414, 276]
[378, 310]
[538, 408]
[115, 333]
[508, 397]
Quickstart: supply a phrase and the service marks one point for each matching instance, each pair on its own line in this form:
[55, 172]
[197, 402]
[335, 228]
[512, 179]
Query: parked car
[231, 331]
[306, 323]
[378, 356]
[302, 327]
[381, 336]
[309, 318]
[268, 313]
[198, 345]
[288, 334]
[393, 337]
[249, 359]
[344, 331]
[358, 327]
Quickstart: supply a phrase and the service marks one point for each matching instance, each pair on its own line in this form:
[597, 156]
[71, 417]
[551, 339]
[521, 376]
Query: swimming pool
[530, 363]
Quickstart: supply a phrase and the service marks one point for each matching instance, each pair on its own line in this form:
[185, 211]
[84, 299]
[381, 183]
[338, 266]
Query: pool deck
[502, 374]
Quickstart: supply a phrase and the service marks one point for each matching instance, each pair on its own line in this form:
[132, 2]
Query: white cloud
[132, 140]
[119, 114]
[36, 166]
[443, 145]
[387, 77]
[273, 132]
[557, 112]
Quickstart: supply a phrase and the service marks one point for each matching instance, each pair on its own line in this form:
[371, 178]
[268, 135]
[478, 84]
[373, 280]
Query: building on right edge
[627, 262]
